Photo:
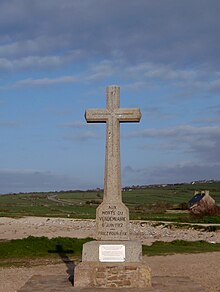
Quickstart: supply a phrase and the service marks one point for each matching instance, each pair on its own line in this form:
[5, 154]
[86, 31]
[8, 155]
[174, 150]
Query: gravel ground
[147, 232]
[202, 268]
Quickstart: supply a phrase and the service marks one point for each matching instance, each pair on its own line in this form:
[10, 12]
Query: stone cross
[112, 215]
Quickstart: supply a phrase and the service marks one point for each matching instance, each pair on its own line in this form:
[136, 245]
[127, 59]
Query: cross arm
[129, 115]
[96, 116]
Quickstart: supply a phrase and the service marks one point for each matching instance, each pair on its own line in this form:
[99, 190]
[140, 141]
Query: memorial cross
[113, 115]
[113, 260]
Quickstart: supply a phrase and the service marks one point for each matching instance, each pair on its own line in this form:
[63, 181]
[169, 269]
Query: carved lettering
[108, 213]
[112, 207]
[111, 218]
[112, 222]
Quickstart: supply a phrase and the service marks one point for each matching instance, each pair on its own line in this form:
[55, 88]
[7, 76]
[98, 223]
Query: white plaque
[111, 253]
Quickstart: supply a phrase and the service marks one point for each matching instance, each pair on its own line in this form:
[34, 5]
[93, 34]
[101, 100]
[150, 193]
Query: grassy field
[149, 203]
[22, 252]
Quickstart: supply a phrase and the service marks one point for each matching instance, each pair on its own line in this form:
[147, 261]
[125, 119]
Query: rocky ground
[147, 232]
[201, 268]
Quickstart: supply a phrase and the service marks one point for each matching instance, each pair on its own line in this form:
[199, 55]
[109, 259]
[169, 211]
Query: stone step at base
[61, 283]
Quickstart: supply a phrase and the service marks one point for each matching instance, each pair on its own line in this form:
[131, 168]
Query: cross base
[112, 275]
[112, 221]
[133, 250]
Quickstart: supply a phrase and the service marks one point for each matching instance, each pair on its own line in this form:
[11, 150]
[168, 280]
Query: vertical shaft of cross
[112, 186]
[112, 116]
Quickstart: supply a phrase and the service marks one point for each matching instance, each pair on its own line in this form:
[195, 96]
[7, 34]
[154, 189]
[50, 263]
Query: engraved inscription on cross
[113, 115]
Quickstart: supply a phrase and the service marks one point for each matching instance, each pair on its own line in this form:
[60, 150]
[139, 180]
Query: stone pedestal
[133, 250]
[110, 268]
[112, 275]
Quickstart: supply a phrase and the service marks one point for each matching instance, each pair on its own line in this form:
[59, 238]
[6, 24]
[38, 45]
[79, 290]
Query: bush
[204, 209]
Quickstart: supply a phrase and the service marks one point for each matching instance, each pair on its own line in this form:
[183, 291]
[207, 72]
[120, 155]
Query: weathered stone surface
[117, 264]
[108, 275]
[112, 221]
[133, 250]
[112, 215]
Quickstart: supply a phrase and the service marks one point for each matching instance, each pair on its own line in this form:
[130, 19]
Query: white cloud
[60, 112]
[190, 79]
[178, 131]
[38, 62]
[101, 27]
[83, 136]
[214, 85]
[208, 120]
[39, 46]
[76, 125]
[100, 71]
[199, 143]
[158, 113]
[8, 124]
[161, 71]
[45, 81]
[184, 82]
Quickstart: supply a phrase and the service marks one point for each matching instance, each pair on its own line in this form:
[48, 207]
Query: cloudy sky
[56, 59]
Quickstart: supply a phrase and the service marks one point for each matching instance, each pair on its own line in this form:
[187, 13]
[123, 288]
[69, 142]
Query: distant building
[201, 202]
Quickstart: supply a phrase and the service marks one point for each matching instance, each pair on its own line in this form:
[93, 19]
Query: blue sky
[56, 59]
